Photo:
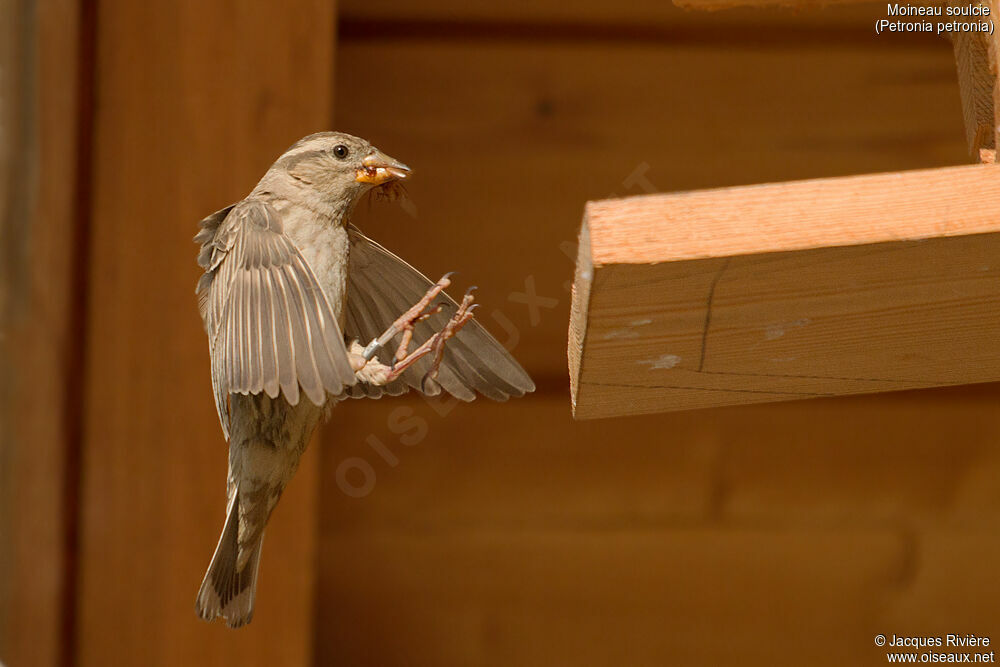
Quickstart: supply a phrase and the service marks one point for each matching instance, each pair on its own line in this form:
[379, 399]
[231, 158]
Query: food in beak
[380, 168]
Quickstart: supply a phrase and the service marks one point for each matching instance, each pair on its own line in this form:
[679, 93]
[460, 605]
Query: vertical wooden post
[40, 123]
[994, 65]
[194, 100]
[976, 84]
[975, 60]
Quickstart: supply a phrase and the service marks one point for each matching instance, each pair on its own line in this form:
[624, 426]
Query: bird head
[334, 168]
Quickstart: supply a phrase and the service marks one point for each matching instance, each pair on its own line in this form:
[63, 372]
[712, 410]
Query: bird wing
[380, 288]
[269, 324]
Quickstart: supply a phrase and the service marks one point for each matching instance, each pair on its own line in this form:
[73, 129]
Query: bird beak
[379, 168]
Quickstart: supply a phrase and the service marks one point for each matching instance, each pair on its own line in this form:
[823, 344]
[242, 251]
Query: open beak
[379, 168]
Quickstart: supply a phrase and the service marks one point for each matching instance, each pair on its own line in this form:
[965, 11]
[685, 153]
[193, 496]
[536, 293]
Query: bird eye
[340, 151]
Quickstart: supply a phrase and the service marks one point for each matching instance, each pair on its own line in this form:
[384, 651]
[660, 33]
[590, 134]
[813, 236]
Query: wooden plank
[533, 130]
[509, 19]
[640, 597]
[715, 5]
[500, 473]
[478, 515]
[801, 5]
[190, 113]
[39, 345]
[954, 563]
[543, 540]
[976, 81]
[864, 460]
[993, 48]
[441, 466]
[789, 290]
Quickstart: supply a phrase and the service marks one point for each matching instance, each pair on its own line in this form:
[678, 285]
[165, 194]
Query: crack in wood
[727, 391]
[708, 313]
[918, 383]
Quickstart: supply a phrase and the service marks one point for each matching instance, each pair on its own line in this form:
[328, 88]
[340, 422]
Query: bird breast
[324, 244]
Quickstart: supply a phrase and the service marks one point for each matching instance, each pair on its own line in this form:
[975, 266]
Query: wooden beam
[42, 118]
[790, 290]
[195, 101]
[581, 20]
[977, 79]
[993, 48]
[713, 5]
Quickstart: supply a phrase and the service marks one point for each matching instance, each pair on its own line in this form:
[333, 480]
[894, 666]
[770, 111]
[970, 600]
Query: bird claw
[429, 386]
[433, 345]
[405, 323]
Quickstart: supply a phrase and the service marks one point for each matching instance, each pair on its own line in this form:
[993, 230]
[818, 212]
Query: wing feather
[257, 334]
[380, 287]
[462, 368]
[268, 344]
[270, 325]
[285, 347]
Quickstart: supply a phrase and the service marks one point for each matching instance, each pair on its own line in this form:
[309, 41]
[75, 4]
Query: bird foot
[403, 357]
[434, 345]
[405, 323]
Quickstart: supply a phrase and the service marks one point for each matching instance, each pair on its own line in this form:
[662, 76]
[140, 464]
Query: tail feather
[228, 590]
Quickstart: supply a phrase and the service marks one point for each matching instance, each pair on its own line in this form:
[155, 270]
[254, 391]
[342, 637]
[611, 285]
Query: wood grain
[993, 54]
[544, 540]
[715, 5]
[509, 139]
[976, 81]
[511, 534]
[39, 326]
[789, 290]
[524, 18]
[194, 102]
[600, 598]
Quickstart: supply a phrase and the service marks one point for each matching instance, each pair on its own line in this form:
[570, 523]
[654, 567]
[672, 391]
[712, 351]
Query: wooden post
[194, 101]
[41, 118]
[976, 79]
[975, 61]
[788, 290]
[713, 5]
[993, 49]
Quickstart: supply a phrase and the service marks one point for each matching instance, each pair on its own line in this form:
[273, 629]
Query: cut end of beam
[579, 309]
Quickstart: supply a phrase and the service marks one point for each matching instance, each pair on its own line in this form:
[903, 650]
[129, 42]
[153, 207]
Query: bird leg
[371, 370]
[434, 344]
[407, 320]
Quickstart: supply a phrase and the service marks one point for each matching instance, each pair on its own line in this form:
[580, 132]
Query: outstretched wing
[270, 327]
[380, 288]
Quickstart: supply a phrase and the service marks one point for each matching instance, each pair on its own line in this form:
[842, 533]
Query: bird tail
[227, 590]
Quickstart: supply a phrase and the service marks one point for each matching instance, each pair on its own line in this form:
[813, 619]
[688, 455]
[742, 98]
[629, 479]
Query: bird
[298, 305]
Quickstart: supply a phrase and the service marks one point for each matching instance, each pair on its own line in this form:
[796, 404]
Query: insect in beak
[379, 168]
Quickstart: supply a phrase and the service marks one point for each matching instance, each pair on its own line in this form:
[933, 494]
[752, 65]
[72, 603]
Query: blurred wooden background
[424, 532]
[508, 534]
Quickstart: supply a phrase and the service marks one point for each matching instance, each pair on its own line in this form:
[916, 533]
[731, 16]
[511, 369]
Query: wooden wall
[40, 132]
[508, 534]
[188, 115]
[149, 116]
[470, 534]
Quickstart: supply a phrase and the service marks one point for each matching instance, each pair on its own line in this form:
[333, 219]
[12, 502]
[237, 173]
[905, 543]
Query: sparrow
[297, 305]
